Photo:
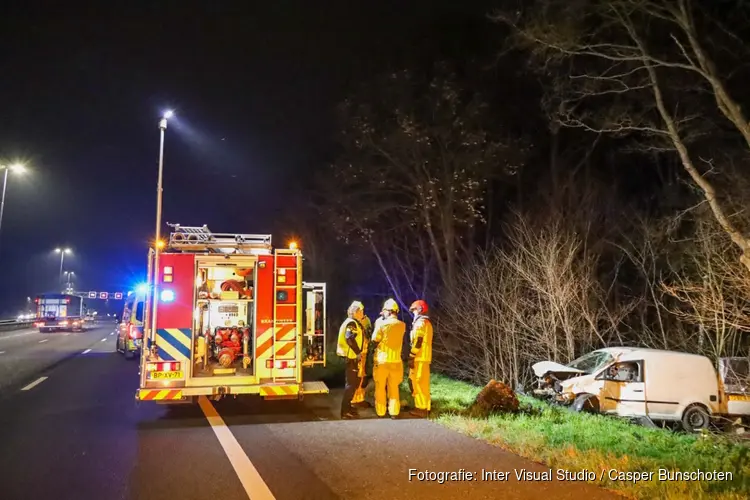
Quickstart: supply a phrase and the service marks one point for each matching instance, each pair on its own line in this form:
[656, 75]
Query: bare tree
[412, 175]
[710, 291]
[646, 67]
[539, 298]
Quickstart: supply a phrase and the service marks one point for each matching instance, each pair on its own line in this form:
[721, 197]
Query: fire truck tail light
[167, 295]
[168, 366]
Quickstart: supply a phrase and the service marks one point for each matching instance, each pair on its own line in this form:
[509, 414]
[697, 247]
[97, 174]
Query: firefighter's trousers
[388, 377]
[353, 380]
[419, 378]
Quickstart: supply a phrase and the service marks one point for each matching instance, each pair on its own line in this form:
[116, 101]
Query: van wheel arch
[586, 403]
[695, 417]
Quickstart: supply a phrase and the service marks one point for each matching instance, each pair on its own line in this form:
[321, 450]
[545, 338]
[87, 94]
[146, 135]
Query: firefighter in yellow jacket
[388, 368]
[420, 357]
[350, 346]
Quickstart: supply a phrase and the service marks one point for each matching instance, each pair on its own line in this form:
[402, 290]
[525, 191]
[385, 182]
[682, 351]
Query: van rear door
[735, 379]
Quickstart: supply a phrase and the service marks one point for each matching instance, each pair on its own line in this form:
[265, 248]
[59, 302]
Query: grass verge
[576, 441]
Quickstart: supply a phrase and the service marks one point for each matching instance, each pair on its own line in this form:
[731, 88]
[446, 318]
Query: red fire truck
[233, 316]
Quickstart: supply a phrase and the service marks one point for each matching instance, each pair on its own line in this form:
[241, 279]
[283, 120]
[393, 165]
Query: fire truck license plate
[160, 375]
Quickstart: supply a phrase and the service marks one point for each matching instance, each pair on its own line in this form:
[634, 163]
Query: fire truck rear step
[314, 387]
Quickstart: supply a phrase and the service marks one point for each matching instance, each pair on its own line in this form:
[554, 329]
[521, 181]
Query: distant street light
[157, 240]
[17, 168]
[62, 258]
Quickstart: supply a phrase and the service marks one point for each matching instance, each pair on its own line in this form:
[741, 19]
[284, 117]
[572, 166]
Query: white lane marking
[104, 339]
[65, 334]
[87, 350]
[42, 341]
[34, 383]
[3, 337]
[112, 333]
[2, 352]
[254, 485]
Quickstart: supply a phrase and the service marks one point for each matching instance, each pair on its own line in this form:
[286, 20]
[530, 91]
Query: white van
[637, 382]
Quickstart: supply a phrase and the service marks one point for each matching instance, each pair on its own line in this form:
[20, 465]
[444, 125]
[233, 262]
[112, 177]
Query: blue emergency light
[167, 295]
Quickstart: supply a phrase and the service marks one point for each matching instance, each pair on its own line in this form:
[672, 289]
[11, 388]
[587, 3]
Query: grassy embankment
[575, 441]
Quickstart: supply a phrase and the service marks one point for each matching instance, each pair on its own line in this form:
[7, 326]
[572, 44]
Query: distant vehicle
[130, 329]
[66, 324]
[59, 312]
[660, 385]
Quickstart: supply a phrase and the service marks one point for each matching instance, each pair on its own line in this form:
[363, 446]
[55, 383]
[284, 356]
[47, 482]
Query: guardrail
[12, 324]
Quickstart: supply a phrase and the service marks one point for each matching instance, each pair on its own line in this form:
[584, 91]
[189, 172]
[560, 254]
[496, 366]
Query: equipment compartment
[224, 320]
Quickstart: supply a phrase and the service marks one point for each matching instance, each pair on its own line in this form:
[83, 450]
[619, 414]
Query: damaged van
[654, 384]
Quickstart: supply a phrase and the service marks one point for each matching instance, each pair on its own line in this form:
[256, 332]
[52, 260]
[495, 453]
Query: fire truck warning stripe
[182, 344]
[265, 346]
[279, 390]
[160, 395]
[286, 349]
[170, 349]
[182, 336]
[286, 332]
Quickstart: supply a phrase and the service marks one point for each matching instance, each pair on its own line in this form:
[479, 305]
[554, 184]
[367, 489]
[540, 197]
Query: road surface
[71, 429]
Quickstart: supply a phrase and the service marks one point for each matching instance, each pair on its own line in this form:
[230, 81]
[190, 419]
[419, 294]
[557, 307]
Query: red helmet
[419, 305]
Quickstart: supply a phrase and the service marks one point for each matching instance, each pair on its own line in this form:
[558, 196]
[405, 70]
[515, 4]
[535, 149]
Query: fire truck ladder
[285, 309]
[201, 239]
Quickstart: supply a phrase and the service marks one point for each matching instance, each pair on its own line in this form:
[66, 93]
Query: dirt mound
[495, 397]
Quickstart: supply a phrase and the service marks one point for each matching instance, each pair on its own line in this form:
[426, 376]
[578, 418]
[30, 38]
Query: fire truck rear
[232, 316]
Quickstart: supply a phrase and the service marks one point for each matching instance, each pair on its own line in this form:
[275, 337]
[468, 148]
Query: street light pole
[157, 241]
[2, 203]
[62, 258]
[17, 167]
[62, 252]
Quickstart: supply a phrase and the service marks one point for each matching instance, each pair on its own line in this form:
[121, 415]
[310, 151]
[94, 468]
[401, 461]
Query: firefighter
[350, 345]
[388, 367]
[365, 364]
[420, 357]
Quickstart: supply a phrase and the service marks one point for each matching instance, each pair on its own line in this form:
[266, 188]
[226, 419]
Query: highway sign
[103, 295]
[92, 295]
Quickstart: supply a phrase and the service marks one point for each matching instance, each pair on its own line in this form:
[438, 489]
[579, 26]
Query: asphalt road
[79, 434]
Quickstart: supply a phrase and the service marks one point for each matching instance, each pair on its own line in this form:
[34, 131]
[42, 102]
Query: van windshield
[591, 362]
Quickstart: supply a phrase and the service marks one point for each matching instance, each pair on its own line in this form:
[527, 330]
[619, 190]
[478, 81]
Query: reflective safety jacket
[389, 333]
[421, 340]
[351, 339]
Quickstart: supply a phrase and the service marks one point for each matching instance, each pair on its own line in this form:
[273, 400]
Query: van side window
[628, 371]
[139, 312]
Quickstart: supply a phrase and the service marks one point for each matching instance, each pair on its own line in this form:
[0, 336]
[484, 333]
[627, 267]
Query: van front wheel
[587, 403]
[695, 418]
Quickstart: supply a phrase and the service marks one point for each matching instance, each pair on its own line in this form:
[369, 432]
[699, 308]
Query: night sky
[254, 88]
